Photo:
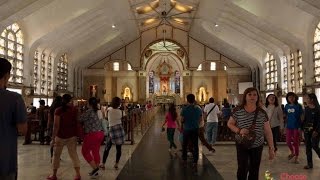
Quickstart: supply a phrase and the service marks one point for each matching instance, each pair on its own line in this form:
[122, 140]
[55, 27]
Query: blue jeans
[212, 130]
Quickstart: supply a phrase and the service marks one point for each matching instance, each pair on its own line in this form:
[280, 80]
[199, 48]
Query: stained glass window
[300, 71]
[11, 48]
[271, 72]
[62, 73]
[316, 52]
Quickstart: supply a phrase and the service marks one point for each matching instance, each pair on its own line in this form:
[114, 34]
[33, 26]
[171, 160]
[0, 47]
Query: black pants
[43, 128]
[170, 136]
[107, 149]
[311, 143]
[248, 162]
[276, 134]
[190, 136]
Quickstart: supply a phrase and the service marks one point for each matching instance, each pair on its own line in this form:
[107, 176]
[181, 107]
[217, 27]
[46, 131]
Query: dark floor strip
[151, 160]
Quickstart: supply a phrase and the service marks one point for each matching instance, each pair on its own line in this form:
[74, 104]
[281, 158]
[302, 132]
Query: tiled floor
[34, 161]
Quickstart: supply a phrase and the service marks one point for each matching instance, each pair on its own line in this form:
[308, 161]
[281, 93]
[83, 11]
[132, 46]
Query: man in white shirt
[211, 111]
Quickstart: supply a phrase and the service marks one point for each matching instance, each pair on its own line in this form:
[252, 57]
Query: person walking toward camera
[311, 128]
[275, 115]
[249, 120]
[294, 113]
[171, 121]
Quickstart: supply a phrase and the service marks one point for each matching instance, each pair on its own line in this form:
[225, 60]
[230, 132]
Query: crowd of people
[253, 122]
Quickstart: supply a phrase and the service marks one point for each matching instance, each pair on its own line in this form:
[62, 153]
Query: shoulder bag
[248, 139]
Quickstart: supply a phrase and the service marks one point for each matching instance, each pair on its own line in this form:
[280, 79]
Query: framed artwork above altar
[164, 69]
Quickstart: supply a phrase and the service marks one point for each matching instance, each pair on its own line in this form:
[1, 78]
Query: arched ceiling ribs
[269, 42]
[223, 47]
[269, 28]
[12, 11]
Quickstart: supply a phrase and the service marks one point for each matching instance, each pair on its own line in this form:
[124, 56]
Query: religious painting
[151, 82]
[94, 91]
[177, 82]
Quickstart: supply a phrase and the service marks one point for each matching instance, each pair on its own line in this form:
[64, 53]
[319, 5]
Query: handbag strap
[253, 125]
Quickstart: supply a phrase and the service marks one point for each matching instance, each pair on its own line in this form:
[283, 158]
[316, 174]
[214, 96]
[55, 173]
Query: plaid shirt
[117, 134]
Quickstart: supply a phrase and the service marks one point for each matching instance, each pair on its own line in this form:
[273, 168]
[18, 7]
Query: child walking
[171, 121]
[293, 111]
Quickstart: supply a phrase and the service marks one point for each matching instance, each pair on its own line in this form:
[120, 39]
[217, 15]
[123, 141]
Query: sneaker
[94, 172]
[101, 166]
[52, 177]
[307, 167]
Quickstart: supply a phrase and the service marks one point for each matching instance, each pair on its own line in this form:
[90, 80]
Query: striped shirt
[244, 119]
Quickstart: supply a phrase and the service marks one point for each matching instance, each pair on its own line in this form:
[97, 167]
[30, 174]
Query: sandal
[52, 177]
[101, 166]
[290, 156]
[116, 166]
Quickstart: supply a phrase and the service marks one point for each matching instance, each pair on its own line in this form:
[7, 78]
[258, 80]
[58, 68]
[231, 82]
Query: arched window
[11, 48]
[300, 71]
[271, 72]
[316, 52]
[62, 73]
[292, 73]
[285, 75]
[199, 67]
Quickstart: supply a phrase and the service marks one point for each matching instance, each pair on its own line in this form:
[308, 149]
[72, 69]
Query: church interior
[161, 51]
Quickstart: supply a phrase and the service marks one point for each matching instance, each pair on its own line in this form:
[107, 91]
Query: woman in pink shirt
[171, 119]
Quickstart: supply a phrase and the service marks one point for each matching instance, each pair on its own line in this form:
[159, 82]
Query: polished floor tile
[149, 158]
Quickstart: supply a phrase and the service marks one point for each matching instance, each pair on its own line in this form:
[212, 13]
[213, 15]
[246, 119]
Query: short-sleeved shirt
[191, 115]
[115, 116]
[171, 123]
[68, 122]
[91, 121]
[213, 115]
[12, 112]
[245, 119]
[293, 112]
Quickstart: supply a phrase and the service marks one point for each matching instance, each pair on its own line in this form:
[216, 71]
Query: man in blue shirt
[191, 117]
[12, 120]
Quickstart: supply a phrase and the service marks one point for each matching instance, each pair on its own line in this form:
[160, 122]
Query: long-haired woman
[171, 121]
[65, 134]
[311, 127]
[275, 115]
[93, 136]
[240, 122]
